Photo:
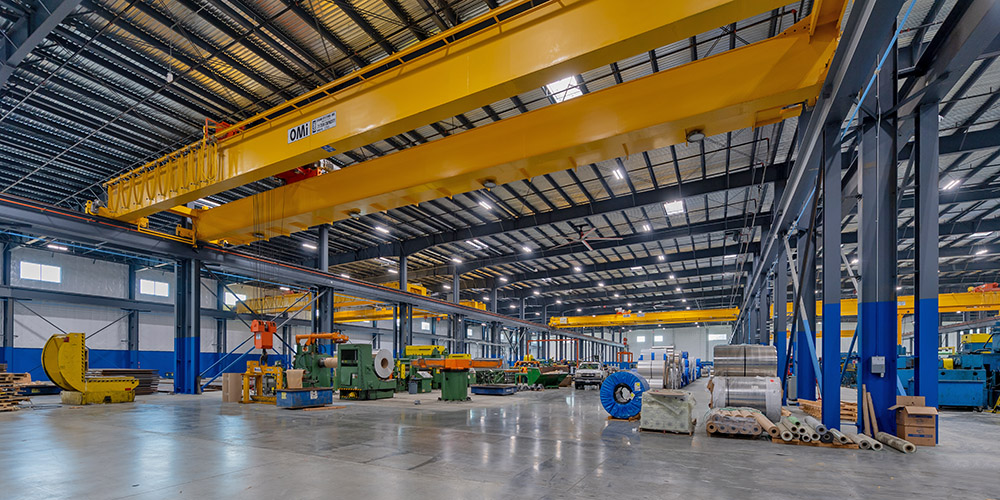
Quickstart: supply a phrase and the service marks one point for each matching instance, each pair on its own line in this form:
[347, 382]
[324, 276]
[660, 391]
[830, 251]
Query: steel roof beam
[28, 32]
[610, 205]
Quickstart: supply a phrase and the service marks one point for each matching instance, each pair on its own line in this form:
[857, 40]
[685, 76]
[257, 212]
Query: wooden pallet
[660, 431]
[848, 410]
[818, 444]
[633, 419]
[10, 386]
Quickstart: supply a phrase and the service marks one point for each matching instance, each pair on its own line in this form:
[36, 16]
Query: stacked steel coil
[745, 360]
[760, 393]
[652, 364]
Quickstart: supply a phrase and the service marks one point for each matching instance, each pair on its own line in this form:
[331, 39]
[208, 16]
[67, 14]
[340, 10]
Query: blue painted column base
[830, 389]
[878, 338]
[925, 346]
[187, 365]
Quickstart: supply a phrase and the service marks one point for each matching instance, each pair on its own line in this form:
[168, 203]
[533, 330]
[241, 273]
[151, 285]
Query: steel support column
[926, 322]
[456, 285]
[764, 335]
[187, 339]
[877, 330]
[805, 385]
[326, 302]
[781, 312]
[132, 333]
[494, 307]
[7, 311]
[221, 324]
[831, 276]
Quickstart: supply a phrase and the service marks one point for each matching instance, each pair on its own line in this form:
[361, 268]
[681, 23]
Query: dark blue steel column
[805, 384]
[132, 333]
[7, 312]
[925, 328]
[221, 324]
[877, 210]
[187, 341]
[781, 311]
[326, 302]
[832, 199]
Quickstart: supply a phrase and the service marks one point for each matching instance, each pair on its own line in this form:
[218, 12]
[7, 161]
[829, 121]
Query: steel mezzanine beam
[646, 318]
[463, 68]
[37, 218]
[631, 117]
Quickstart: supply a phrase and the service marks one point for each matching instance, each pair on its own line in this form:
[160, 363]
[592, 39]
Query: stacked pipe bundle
[759, 393]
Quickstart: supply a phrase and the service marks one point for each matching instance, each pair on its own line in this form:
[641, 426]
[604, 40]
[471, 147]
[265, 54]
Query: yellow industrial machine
[65, 361]
[261, 383]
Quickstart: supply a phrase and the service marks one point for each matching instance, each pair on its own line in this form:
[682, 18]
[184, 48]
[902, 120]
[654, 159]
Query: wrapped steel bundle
[621, 394]
[760, 393]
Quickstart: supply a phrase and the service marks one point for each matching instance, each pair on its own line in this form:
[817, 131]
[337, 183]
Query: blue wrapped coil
[621, 394]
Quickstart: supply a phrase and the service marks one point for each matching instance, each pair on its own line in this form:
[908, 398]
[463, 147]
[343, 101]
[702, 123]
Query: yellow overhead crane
[947, 302]
[442, 77]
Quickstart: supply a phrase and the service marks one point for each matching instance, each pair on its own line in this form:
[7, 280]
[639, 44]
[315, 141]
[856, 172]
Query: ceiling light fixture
[558, 301]
[645, 227]
[447, 287]
[579, 310]
[310, 246]
[53, 246]
[618, 174]
[980, 252]
[456, 260]
[512, 306]
[485, 205]
[345, 275]
[503, 279]
[284, 289]
[616, 295]
[576, 268]
[393, 271]
[381, 229]
[674, 207]
[662, 258]
[536, 292]
[600, 283]
[981, 235]
[951, 184]
[490, 183]
[526, 249]
[671, 276]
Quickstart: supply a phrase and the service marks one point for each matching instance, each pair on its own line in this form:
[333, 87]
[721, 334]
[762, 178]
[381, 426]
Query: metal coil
[621, 394]
[745, 360]
[652, 365]
[760, 393]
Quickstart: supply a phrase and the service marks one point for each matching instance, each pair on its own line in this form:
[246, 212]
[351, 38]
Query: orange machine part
[263, 333]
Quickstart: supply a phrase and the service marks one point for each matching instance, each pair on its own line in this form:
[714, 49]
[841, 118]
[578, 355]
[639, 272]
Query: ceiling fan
[583, 236]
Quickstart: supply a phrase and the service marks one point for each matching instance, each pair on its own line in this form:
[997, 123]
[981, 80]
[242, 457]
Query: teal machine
[318, 367]
[968, 378]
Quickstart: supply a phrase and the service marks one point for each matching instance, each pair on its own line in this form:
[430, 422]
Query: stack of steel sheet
[149, 380]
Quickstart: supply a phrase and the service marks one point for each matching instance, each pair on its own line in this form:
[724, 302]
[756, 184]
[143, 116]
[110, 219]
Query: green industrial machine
[318, 367]
[425, 379]
[455, 386]
[364, 373]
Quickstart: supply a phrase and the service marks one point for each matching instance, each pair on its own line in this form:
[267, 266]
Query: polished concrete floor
[552, 444]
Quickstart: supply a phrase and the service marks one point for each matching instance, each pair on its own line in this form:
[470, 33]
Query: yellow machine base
[97, 397]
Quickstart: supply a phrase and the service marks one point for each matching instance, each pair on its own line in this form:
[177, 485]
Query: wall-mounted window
[640, 338]
[231, 301]
[658, 338]
[425, 326]
[41, 272]
[157, 288]
[716, 336]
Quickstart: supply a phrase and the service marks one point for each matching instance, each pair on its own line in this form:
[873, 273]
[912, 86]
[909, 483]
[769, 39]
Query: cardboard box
[294, 378]
[232, 387]
[915, 422]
